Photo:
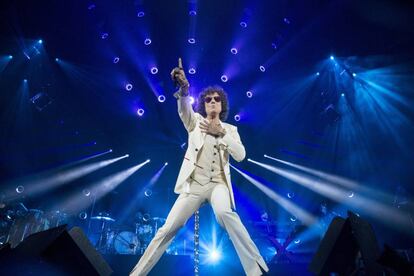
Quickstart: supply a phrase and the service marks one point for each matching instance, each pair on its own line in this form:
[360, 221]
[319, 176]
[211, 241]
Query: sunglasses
[217, 99]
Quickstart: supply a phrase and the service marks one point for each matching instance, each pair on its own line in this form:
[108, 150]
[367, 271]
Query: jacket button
[196, 149]
[212, 170]
[215, 153]
[214, 161]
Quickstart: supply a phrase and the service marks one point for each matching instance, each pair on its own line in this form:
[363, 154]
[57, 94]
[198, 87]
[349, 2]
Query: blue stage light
[147, 41]
[166, 164]
[20, 189]
[243, 24]
[128, 87]
[262, 68]
[287, 21]
[161, 98]
[290, 194]
[192, 71]
[154, 70]
[249, 94]
[83, 215]
[342, 94]
[25, 80]
[148, 192]
[116, 60]
[140, 112]
[351, 194]
[104, 35]
[56, 59]
[354, 74]
[224, 78]
[192, 12]
[215, 255]
[293, 219]
[332, 58]
[233, 51]
[237, 117]
[191, 40]
[140, 14]
[86, 192]
[91, 6]
[40, 41]
[10, 56]
[192, 100]
[317, 73]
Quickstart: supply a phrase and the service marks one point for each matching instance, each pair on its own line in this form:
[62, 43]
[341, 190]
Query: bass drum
[125, 242]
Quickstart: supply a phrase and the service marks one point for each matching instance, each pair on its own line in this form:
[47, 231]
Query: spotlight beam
[58, 178]
[335, 179]
[304, 216]
[101, 188]
[378, 210]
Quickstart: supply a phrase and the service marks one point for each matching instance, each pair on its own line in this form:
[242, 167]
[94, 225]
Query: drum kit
[20, 222]
[17, 222]
[111, 237]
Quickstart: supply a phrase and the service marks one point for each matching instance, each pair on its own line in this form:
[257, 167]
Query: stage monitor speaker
[339, 248]
[54, 252]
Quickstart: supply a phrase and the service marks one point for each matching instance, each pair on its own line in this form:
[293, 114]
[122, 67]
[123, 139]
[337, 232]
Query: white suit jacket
[230, 144]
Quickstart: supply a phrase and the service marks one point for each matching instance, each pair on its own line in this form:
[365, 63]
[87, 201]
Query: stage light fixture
[20, 189]
[224, 78]
[161, 98]
[147, 41]
[128, 87]
[140, 112]
[154, 70]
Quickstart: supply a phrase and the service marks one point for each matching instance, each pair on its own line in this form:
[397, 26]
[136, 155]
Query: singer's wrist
[184, 89]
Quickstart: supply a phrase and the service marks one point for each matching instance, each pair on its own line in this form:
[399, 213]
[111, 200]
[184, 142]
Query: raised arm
[185, 110]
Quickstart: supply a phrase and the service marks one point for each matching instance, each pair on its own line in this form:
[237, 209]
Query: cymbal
[103, 218]
[159, 219]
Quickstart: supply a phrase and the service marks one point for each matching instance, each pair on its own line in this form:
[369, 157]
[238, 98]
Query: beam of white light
[378, 210]
[101, 188]
[49, 180]
[330, 177]
[87, 158]
[111, 182]
[304, 216]
[214, 255]
[141, 191]
[155, 178]
[335, 179]
[70, 175]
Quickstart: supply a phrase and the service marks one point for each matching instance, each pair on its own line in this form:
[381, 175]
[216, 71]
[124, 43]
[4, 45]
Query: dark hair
[224, 101]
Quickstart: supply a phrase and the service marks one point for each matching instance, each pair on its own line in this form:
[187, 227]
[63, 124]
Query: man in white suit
[205, 176]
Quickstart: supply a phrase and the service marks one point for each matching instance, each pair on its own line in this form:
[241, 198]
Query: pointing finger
[180, 63]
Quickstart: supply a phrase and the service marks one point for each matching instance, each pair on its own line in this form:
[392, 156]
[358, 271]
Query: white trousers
[184, 207]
